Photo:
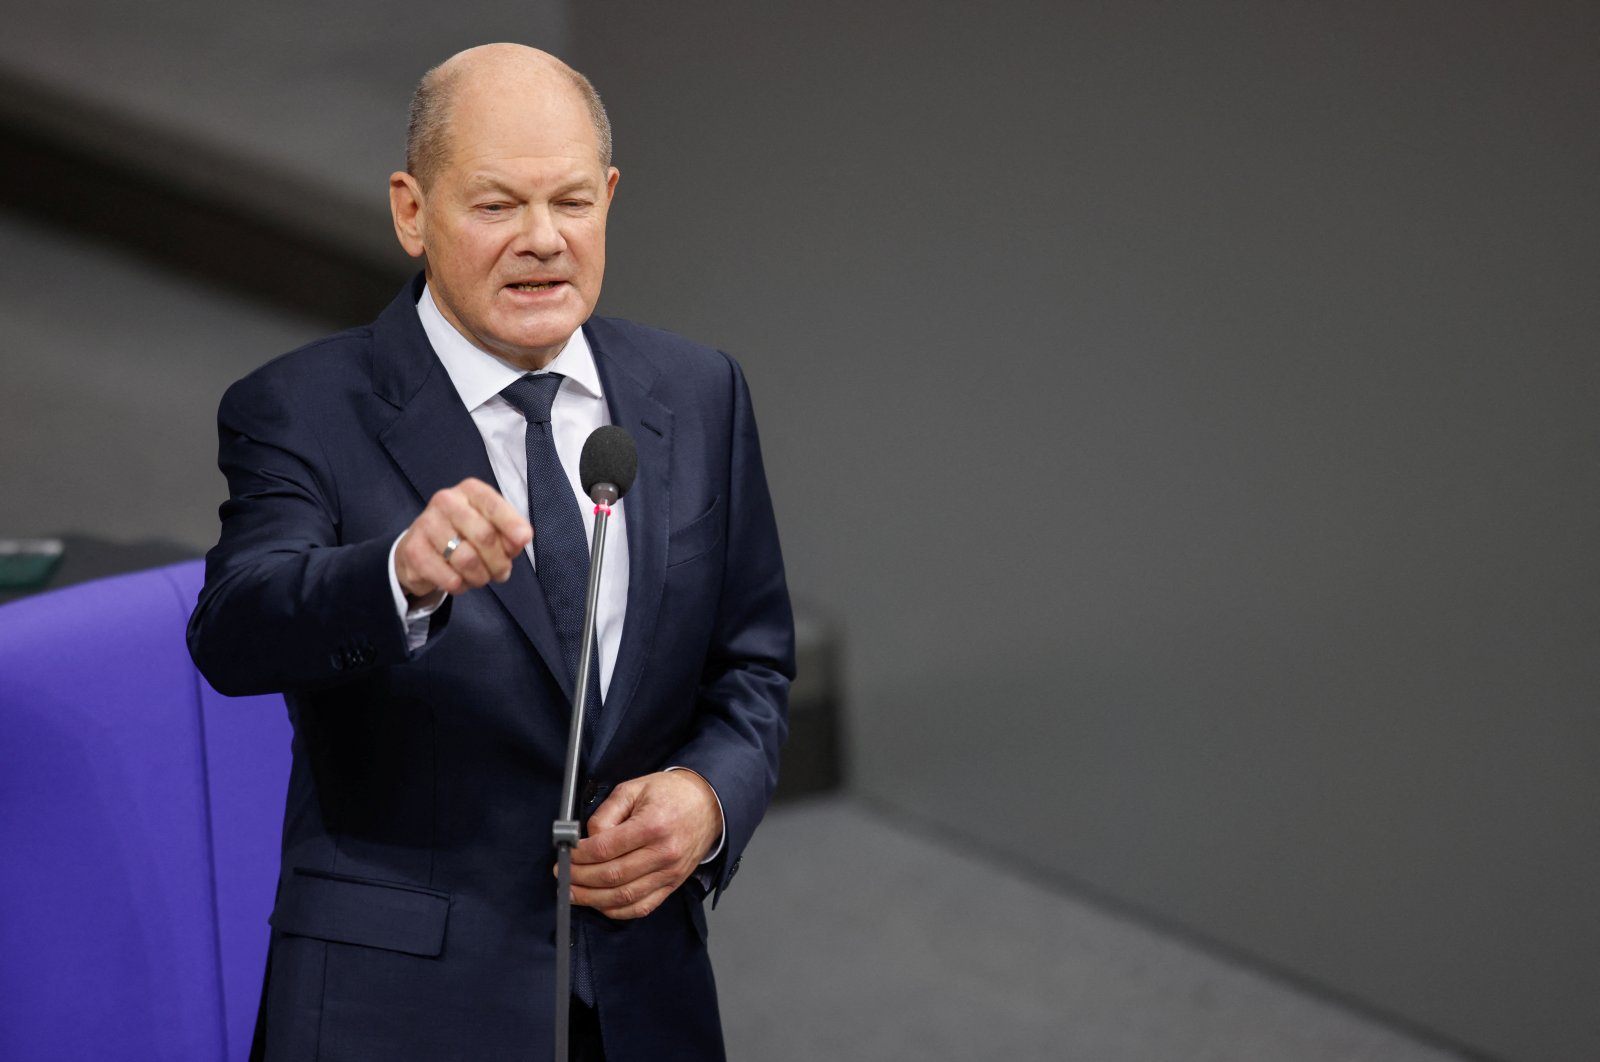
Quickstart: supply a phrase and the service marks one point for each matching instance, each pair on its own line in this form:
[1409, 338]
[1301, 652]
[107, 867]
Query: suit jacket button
[337, 661]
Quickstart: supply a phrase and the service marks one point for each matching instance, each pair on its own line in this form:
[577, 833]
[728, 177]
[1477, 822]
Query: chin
[519, 345]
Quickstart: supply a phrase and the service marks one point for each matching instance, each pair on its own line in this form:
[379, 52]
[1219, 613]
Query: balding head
[506, 198]
[493, 72]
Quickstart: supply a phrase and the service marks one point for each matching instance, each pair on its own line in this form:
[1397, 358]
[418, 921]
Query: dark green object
[28, 563]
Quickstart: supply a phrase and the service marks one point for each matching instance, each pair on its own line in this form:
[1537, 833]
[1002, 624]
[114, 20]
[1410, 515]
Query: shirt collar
[479, 376]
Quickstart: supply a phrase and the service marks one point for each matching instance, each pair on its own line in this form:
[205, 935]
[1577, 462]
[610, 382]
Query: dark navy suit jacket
[415, 908]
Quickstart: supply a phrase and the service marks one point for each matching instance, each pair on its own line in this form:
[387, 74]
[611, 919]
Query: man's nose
[540, 235]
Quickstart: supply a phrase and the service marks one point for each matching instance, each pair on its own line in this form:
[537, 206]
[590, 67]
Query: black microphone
[606, 469]
[608, 464]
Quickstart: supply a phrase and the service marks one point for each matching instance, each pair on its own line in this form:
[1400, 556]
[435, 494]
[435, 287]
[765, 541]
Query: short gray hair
[428, 131]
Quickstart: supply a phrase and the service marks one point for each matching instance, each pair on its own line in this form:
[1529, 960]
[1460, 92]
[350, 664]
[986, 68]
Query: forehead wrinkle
[563, 178]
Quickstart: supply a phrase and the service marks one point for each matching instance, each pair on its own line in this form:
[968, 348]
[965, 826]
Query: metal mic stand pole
[566, 830]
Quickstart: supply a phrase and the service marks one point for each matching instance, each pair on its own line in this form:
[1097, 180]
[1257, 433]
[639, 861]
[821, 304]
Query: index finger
[512, 525]
[610, 844]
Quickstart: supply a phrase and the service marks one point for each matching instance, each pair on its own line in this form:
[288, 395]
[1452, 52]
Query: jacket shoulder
[323, 360]
[665, 351]
[325, 373]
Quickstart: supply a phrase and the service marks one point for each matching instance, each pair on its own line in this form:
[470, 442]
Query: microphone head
[609, 456]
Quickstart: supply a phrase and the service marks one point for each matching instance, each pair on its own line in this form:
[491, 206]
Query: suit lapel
[436, 445]
[628, 379]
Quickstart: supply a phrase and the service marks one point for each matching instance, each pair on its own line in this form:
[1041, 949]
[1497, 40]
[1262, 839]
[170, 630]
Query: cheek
[469, 252]
[591, 249]
[474, 254]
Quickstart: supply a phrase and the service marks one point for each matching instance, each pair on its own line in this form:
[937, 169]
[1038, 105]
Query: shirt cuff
[723, 839]
[415, 620]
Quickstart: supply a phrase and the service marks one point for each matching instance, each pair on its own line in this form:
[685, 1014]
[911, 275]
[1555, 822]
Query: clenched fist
[488, 534]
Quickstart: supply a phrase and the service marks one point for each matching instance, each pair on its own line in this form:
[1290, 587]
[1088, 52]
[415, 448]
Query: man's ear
[405, 205]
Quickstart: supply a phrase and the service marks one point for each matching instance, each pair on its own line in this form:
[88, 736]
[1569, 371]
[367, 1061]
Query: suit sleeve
[742, 716]
[287, 604]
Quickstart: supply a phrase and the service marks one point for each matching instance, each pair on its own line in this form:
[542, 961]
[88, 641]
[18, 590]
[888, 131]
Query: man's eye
[493, 208]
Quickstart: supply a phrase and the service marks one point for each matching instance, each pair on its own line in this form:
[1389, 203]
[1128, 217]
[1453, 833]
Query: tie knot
[532, 395]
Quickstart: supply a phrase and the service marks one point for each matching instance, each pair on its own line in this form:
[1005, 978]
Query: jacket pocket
[375, 914]
[698, 537]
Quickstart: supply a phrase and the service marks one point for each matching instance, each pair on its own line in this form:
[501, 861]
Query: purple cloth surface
[140, 813]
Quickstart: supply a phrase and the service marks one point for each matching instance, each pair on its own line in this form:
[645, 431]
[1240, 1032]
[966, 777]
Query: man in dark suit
[378, 564]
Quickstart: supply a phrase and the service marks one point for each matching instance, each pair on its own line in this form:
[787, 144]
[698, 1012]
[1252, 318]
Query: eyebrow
[484, 181]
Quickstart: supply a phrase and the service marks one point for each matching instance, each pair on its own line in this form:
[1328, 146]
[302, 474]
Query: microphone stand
[566, 829]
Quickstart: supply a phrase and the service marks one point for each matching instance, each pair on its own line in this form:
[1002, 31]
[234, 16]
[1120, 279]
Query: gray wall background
[1186, 410]
[1189, 412]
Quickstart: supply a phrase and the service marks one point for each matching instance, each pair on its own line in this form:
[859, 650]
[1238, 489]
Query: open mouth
[541, 285]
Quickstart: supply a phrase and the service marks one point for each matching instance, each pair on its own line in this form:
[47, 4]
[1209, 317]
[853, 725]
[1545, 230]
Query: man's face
[514, 225]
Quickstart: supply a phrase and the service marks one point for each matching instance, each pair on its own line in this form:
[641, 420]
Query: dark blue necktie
[560, 549]
[561, 561]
